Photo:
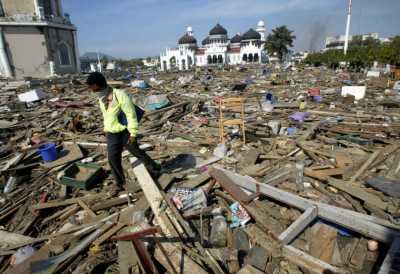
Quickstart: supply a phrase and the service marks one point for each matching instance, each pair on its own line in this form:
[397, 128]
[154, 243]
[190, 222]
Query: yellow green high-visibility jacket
[121, 102]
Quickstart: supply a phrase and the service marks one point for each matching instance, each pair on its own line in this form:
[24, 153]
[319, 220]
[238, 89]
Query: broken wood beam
[368, 226]
[365, 166]
[181, 261]
[313, 265]
[299, 225]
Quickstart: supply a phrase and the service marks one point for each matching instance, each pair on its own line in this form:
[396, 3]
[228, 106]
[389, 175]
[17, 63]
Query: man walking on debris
[120, 125]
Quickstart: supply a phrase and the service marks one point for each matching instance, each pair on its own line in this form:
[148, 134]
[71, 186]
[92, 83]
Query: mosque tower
[189, 31]
[261, 30]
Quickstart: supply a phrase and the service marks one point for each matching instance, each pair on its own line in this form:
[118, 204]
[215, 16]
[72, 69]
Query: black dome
[218, 30]
[205, 41]
[251, 35]
[236, 39]
[187, 39]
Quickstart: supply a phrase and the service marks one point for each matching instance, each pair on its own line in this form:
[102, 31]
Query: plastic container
[267, 106]
[219, 229]
[48, 152]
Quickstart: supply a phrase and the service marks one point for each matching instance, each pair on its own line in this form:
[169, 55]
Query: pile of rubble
[315, 188]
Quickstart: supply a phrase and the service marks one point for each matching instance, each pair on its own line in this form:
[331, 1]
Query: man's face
[95, 87]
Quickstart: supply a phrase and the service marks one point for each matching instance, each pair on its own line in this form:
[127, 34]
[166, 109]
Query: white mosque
[216, 49]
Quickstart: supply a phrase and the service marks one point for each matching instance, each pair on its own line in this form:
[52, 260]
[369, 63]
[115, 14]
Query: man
[120, 126]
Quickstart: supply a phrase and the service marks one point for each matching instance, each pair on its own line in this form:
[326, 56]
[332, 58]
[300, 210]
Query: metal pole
[346, 41]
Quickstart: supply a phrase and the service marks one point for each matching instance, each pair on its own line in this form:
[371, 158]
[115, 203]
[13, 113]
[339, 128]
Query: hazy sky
[139, 28]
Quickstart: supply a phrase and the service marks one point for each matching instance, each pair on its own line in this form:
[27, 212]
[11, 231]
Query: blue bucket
[48, 152]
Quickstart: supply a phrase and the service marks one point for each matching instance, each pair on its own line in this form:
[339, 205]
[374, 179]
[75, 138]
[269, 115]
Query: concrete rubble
[315, 188]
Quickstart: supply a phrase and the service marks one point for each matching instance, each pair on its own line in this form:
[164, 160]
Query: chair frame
[232, 104]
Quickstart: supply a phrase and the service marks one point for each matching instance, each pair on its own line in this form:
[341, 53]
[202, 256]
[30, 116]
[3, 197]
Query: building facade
[216, 49]
[337, 42]
[36, 39]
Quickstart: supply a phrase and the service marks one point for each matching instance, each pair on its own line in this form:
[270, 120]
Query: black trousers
[116, 142]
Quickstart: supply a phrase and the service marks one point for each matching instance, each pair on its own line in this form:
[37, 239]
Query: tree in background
[279, 41]
[361, 54]
[132, 63]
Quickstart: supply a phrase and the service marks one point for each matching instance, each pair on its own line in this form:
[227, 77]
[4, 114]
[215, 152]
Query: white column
[37, 10]
[60, 8]
[4, 63]
[346, 41]
[53, 7]
[76, 52]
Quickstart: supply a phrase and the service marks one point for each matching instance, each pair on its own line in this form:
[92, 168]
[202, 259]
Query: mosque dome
[261, 24]
[251, 34]
[218, 30]
[236, 39]
[187, 39]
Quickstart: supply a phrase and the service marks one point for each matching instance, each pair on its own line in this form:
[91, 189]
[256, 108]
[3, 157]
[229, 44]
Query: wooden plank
[67, 202]
[74, 154]
[86, 208]
[236, 192]
[127, 256]
[358, 192]
[109, 203]
[368, 226]
[152, 194]
[180, 260]
[353, 190]
[310, 131]
[365, 166]
[196, 181]
[13, 161]
[299, 225]
[108, 234]
[308, 262]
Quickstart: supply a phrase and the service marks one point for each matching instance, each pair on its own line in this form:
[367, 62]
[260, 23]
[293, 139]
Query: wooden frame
[234, 104]
[366, 225]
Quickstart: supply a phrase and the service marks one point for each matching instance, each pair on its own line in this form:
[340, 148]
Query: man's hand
[132, 139]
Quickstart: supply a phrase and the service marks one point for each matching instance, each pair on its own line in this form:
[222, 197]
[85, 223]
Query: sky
[141, 28]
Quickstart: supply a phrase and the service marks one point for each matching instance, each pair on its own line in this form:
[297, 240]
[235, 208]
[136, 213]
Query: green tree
[361, 54]
[279, 41]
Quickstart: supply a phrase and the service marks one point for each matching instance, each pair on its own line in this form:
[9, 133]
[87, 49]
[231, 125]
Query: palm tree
[279, 41]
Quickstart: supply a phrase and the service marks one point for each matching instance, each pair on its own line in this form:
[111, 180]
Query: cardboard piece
[32, 96]
[357, 91]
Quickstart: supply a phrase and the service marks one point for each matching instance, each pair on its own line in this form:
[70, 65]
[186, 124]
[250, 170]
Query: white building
[151, 62]
[337, 42]
[216, 49]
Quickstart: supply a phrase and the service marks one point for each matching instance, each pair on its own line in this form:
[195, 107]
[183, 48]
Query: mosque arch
[256, 58]
[244, 58]
[220, 59]
[209, 59]
[183, 62]
[250, 59]
[190, 62]
[214, 59]
[172, 62]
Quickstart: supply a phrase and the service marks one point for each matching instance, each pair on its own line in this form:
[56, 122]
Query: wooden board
[180, 260]
[235, 191]
[308, 262]
[74, 154]
[368, 226]
[299, 225]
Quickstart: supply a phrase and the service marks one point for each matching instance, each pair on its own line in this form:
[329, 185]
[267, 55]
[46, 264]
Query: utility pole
[99, 66]
[346, 41]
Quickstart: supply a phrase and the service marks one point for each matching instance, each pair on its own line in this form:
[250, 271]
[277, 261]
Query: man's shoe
[115, 190]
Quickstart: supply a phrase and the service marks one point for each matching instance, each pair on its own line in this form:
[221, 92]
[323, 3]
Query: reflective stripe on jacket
[121, 102]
